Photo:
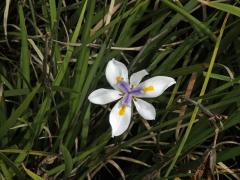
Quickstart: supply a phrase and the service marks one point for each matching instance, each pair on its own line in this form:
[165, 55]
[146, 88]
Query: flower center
[128, 92]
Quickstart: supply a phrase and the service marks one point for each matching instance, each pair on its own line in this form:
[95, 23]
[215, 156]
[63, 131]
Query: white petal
[119, 119]
[115, 71]
[136, 78]
[104, 96]
[145, 109]
[155, 86]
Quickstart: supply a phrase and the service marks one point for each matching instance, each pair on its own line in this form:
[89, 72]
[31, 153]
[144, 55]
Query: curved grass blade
[198, 24]
[19, 111]
[32, 174]
[231, 9]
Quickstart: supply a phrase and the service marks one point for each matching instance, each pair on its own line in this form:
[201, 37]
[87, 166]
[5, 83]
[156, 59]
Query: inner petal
[123, 86]
[136, 91]
[126, 100]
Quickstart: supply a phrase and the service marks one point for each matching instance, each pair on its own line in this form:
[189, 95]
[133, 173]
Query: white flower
[117, 76]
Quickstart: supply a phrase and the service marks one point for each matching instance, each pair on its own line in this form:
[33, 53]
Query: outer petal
[104, 96]
[116, 71]
[145, 109]
[136, 78]
[119, 118]
[155, 86]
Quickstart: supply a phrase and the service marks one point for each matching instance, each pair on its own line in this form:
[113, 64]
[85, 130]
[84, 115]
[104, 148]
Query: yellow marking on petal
[149, 88]
[122, 110]
[118, 78]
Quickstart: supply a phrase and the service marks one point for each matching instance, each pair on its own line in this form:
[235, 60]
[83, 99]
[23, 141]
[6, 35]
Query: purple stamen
[136, 91]
[127, 99]
[128, 92]
[123, 86]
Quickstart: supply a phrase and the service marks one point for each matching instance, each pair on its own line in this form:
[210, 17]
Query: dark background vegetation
[53, 54]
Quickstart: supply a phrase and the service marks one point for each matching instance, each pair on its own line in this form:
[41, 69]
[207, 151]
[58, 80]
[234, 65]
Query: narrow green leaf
[81, 71]
[224, 7]
[6, 82]
[183, 70]
[85, 127]
[7, 174]
[32, 174]
[19, 151]
[228, 153]
[67, 160]
[203, 28]
[90, 150]
[177, 55]
[33, 16]
[53, 14]
[18, 112]
[129, 26]
[218, 76]
[75, 35]
[15, 169]
[25, 59]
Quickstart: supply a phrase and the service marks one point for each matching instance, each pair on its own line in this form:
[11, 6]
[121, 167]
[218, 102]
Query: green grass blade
[24, 59]
[198, 24]
[219, 77]
[7, 174]
[31, 6]
[53, 14]
[67, 160]
[129, 26]
[228, 154]
[85, 127]
[18, 112]
[81, 73]
[231, 9]
[83, 154]
[13, 167]
[75, 35]
[32, 174]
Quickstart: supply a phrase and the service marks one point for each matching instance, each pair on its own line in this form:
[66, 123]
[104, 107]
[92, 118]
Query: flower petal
[104, 96]
[155, 86]
[145, 109]
[115, 72]
[119, 118]
[136, 78]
